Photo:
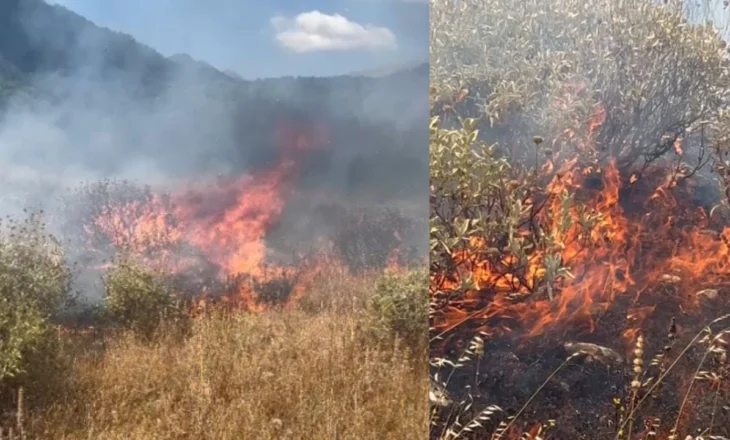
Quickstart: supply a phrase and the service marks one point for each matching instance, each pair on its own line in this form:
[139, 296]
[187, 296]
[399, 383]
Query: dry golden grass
[294, 374]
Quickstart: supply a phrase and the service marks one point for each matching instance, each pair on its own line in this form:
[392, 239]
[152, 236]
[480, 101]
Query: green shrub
[547, 67]
[399, 307]
[34, 287]
[140, 299]
[480, 207]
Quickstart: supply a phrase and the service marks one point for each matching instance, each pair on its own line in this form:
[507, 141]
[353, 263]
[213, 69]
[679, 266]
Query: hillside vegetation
[347, 362]
[100, 339]
[571, 142]
[186, 116]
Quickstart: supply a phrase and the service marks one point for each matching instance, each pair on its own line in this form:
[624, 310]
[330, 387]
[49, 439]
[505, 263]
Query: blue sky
[269, 38]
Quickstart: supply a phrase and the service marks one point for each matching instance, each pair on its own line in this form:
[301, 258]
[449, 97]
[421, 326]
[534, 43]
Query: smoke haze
[82, 103]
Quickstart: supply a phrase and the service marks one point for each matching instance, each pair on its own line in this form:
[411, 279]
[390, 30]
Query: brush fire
[615, 270]
[580, 221]
[210, 239]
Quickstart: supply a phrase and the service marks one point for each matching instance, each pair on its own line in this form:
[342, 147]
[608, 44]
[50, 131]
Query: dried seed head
[478, 346]
[537, 140]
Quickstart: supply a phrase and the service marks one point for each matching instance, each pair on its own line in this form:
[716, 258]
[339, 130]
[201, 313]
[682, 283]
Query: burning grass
[580, 277]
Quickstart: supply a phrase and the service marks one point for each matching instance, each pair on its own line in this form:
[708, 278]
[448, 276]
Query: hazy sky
[264, 38]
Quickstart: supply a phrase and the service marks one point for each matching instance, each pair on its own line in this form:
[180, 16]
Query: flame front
[227, 222]
[662, 252]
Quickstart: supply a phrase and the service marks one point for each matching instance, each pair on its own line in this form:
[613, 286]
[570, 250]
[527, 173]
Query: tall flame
[227, 222]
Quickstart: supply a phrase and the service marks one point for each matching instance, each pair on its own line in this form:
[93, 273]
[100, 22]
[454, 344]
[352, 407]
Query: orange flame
[668, 249]
[227, 222]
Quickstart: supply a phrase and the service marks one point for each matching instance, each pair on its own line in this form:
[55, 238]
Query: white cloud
[314, 31]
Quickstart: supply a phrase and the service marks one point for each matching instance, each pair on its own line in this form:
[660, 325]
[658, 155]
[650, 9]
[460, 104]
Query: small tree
[35, 284]
[99, 219]
[139, 298]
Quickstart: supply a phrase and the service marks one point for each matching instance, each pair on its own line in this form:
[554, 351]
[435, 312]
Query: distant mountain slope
[107, 103]
[389, 69]
[37, 38]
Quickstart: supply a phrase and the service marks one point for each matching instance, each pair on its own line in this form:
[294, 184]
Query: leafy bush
[34, 287]
[138, 298]
[483, 208]
[546, 67]
[399, 306]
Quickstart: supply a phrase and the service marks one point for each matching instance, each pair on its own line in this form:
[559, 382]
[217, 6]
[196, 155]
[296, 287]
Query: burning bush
[82, 209]
[574, 220]
[484, 210]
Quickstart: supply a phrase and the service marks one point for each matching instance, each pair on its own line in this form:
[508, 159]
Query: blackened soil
[580, 397]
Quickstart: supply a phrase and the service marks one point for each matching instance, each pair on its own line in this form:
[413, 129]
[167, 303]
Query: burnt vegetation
[578, 231]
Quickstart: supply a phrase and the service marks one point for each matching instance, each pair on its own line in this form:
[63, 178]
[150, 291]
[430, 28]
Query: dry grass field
[318, 371]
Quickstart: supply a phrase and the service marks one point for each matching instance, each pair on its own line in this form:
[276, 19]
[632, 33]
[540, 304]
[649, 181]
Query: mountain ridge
[55, 37]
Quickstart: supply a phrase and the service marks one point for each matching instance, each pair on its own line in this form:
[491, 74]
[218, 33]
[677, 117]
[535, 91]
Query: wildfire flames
[227, 223]
[620, 254]
[662, 245]
[643, 260]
